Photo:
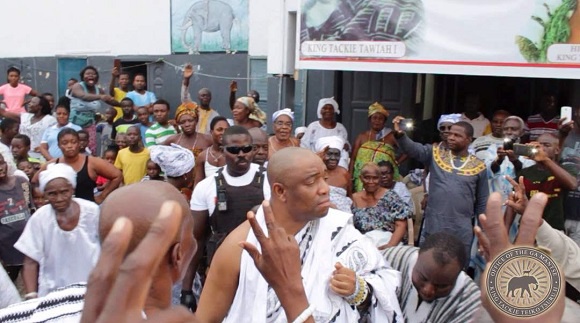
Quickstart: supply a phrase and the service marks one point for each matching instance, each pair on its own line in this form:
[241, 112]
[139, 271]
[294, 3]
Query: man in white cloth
[61, 241]
[344, 276]
[434, 289]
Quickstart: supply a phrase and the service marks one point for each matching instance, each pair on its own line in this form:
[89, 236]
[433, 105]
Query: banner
[527, 38]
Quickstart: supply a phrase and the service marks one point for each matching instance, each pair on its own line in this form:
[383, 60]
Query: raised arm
[233, 90]
[78, 92]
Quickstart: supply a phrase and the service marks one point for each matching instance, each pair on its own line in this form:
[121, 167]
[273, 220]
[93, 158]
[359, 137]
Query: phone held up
[519, 149]
[566, 113]
[406, 125]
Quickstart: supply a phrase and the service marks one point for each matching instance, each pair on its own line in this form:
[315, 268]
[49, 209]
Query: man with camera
[546, 176]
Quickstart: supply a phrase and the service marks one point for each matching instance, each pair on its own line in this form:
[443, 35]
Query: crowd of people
[332, 229]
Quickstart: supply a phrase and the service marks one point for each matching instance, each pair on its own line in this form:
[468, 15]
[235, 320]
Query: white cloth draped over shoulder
[322, 243]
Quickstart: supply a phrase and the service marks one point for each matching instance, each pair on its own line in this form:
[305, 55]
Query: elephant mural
[523, 283]
[208, 16]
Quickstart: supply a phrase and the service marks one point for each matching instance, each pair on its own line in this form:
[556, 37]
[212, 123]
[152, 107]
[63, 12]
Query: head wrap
[324, 102]
[174, 160]
[452, 118]
[378, 108]
[54, 171]
[330, 141]
[299, 130]
[188, 108]
[255, 112]
[287, 112]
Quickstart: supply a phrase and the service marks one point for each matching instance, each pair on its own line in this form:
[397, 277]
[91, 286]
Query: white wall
[85, 27]
[282, 36]
[260, 22]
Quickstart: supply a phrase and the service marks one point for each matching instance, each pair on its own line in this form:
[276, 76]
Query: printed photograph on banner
[360, 28]
[553, 22]
[209, 26]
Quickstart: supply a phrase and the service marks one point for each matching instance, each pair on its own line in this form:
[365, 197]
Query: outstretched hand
[518, 200]
[279, 261]
[119, 285]
[188, 71]
[396, 121]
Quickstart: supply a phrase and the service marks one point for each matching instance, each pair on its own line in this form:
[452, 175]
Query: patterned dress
[382, 216]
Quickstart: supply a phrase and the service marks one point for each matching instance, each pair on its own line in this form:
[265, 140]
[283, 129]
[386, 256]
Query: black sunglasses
[236, 149]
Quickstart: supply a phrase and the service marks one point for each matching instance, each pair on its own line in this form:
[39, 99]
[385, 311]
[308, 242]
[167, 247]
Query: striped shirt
[537, 126]
[62, 305]
[157, 134]
[458, 307]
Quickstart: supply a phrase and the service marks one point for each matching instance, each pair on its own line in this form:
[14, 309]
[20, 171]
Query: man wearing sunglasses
[220, 203]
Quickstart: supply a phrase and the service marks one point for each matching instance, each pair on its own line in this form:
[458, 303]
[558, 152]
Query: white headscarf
[174, 160]
[54, 171]
[299, 130]
[324, 102]
[331, 142]
[286, 111]
[452, 118]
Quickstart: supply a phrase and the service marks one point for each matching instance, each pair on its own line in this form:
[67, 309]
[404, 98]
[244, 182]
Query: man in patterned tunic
[458, 187]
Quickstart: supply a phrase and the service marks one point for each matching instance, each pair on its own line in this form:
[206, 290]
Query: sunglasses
[236, 149]
[444, 128]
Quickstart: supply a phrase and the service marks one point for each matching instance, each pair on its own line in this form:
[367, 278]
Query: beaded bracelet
[360, 293]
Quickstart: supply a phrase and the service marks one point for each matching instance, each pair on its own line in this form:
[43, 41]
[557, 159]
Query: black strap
[572, 293]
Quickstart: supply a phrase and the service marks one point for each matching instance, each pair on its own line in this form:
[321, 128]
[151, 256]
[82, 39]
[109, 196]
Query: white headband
[330, 141]
[324, 102]
[287, 112]
[54, 171]
[299, 130]
[452, 118]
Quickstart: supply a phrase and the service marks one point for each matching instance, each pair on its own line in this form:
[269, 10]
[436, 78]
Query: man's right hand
[115, 72]
[233, 86]
[188, 71]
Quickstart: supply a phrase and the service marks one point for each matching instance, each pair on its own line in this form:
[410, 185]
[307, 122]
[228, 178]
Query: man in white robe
[333, 256]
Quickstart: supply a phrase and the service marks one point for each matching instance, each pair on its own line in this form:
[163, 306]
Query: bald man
[343, 273]
[546, 176]
[151, 195]
[260, 141]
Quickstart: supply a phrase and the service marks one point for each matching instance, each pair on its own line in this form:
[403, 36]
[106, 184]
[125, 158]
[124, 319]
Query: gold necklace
[215, 159]
[451, 160]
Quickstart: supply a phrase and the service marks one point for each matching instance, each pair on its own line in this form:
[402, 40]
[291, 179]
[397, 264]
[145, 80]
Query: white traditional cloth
[315, 130]
[64, 257]
[54, 171]
[322, 243]
[339, 198]
[330, 142]
[9, 294]
[286, 112]
[174, 160]
[452, 118]
[299, 130]
[324, 102]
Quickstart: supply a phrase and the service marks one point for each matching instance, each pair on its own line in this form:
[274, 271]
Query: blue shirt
[142, 99]
[50, 137]
[143, 131]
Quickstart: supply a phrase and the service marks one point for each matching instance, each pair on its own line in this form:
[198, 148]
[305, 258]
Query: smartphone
[566, 113]
[406, 124]
[117, 64]
[524, 150]
[508, 144]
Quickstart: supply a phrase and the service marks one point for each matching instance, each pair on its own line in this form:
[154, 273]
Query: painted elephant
[208, 16]
[523, 283]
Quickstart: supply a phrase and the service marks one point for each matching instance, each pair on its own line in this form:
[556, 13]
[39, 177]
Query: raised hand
[518, 200]
[188, 71]
[233, 86]
[396, 122]
[115, 72]
[119, 285]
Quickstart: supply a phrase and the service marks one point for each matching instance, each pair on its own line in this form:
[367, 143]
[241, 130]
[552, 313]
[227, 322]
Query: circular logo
[523, 282]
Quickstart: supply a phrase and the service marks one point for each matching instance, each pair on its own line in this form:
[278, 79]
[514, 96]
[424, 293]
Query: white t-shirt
[204, 195]
[64, 257]
[34, 131]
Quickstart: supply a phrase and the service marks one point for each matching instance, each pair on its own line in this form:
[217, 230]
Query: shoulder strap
[259, 177]
[220, 180]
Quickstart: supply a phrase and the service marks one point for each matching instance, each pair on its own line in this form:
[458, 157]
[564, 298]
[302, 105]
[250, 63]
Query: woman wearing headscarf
[247, 113]
[186, 117]
[177, 163]
[86, 102]
[374, 145]
[282, 138]
[326, 126]
[61, 241]
[34, 122]
[338, 178]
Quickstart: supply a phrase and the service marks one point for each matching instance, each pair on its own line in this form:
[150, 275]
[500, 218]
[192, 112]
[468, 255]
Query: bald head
[140, 203]
[286, 162]
[258, 135]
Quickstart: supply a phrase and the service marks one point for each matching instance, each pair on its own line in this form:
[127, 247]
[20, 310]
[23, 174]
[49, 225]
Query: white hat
[54, 171]
[324, 102]
[174, 160]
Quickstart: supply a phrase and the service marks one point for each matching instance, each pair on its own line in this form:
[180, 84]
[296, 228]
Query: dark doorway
[134, 68]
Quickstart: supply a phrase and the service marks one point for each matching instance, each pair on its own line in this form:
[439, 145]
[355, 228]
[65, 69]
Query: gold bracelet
[361, 293]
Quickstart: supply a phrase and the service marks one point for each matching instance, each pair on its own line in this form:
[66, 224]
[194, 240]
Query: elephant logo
[523, 282]
[208, 16]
